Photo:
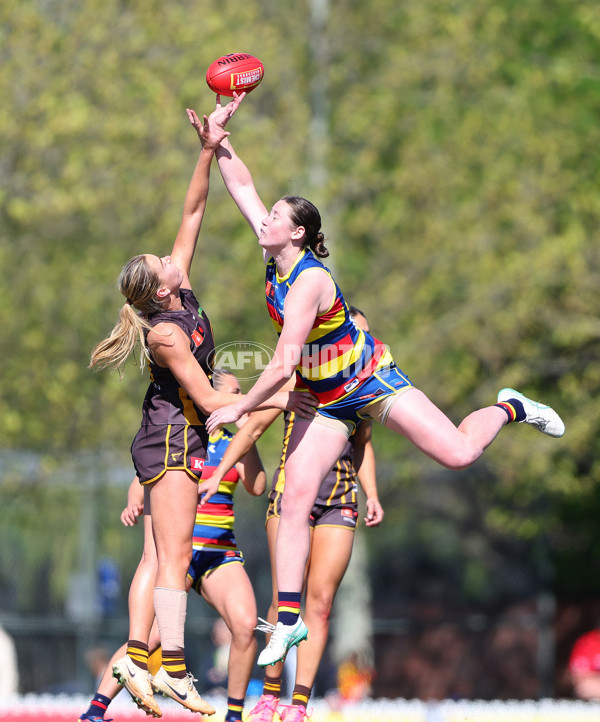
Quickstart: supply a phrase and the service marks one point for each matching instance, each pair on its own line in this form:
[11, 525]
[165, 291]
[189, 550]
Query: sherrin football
[237, 72]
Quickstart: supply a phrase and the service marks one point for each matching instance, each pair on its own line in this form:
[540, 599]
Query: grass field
[68, 709]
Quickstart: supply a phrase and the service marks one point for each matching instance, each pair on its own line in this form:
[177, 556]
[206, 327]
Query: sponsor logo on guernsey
[270, 289]
[198, 337]
[352, 385]
[197, 463]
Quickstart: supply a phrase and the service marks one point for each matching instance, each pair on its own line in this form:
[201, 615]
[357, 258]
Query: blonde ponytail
[139, 284]
[114, 350]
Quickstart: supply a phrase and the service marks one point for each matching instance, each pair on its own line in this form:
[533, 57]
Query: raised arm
[364, 463]
[239, 183]
[210, 132]
[242, 442]
[309, 294]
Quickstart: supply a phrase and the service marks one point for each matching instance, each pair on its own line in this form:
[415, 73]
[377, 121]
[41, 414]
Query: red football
[237, 72]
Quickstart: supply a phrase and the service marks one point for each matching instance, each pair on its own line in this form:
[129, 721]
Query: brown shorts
[157, 449]
[340, 515]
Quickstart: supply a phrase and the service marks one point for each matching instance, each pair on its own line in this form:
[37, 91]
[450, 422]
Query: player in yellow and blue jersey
[333, 520]
[349, 373]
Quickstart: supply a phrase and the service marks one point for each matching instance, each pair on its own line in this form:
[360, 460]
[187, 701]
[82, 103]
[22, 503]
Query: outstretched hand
[211, 130]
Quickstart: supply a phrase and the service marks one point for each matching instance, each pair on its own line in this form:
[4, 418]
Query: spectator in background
[97, 659]
[354, 679]
[216, 664]
[9, 671]
[584, 665]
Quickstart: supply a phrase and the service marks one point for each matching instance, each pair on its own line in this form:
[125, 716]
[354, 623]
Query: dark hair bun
[317, 246]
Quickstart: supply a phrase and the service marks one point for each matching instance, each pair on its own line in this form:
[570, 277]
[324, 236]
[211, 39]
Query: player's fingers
[310, 409]
[207, 496]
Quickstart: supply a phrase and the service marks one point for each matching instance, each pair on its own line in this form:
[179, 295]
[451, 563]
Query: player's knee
[320, 606]
[242, 630]
[177, 560]
[460, 458]
[296, 505]
[186, 558]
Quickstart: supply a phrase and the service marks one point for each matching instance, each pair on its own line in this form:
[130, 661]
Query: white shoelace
[265, 627]
[190, 679]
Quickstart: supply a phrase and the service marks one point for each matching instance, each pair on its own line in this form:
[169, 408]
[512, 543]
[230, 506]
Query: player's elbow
[257, 484]
[260, 484]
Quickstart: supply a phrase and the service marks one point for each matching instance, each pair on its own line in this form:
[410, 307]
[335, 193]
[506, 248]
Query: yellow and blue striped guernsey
[213, 530]
[337, 356]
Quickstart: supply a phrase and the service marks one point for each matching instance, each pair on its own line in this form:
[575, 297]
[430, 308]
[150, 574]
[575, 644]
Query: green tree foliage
[459, 194]
[467, 197]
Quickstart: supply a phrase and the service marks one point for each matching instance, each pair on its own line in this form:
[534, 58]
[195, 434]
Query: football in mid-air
[237, 72]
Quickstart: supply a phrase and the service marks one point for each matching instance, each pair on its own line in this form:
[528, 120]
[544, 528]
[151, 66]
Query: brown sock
[173, 662]
[301, 695]
[138, 651]
[272, 686]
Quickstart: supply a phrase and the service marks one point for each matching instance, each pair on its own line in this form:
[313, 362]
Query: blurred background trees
[453, 149]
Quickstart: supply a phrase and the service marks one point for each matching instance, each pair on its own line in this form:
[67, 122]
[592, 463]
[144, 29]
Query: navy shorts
[204, 562]
[382, 383]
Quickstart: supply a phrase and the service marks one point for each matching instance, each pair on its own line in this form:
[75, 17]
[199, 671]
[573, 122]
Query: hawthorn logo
[245, 359]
